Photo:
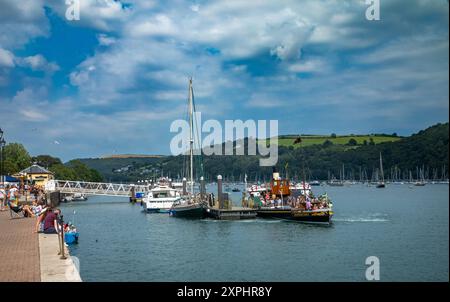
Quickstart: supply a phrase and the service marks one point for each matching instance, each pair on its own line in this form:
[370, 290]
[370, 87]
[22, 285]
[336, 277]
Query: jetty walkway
[30, 257]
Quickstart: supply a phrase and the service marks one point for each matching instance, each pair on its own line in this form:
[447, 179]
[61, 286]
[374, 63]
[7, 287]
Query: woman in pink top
[308, 204]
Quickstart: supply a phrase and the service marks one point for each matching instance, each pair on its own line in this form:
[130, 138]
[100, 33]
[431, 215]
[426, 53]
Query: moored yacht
[189, 205]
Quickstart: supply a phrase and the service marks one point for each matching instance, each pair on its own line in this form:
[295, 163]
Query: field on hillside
[309, 140]
[131, 156]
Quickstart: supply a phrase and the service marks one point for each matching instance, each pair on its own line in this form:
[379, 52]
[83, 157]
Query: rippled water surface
[405, 227]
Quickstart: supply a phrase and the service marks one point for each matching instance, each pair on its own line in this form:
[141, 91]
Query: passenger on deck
[308, 204]
[278, 202]
[291, 201]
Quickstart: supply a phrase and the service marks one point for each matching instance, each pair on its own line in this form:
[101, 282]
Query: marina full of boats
[279, 199]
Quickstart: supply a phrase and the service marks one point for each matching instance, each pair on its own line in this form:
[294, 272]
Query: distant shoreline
[131, 156]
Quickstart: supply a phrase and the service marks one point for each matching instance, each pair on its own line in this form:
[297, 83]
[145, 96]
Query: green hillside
[319, 156]
[121, 168]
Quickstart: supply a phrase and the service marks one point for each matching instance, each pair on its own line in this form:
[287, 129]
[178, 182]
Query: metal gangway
[94, 188]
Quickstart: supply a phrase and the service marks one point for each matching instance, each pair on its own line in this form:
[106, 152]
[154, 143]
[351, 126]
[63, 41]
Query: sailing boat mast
[191, 137]
[381, 168]
[381, 183]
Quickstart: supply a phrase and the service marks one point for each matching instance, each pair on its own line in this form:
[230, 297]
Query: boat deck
[235, 213]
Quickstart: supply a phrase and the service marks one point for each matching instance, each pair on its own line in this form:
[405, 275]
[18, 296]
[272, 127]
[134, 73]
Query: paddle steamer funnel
[279, 186]
[275, 173]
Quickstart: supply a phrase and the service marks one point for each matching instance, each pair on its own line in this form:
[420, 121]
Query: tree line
[16, 158]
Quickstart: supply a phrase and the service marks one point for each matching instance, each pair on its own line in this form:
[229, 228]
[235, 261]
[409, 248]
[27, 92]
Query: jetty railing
[94, 188]
[61, 237]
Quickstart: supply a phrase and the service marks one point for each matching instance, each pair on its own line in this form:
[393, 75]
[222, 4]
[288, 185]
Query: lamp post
[2, 144]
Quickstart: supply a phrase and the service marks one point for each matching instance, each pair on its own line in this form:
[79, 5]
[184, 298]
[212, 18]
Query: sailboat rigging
[190, 205]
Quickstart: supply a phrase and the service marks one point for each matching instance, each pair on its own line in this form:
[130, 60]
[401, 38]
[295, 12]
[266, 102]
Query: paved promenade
[29, 257]
[19, 249]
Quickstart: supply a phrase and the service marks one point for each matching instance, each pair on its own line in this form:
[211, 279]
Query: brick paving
[19, 249]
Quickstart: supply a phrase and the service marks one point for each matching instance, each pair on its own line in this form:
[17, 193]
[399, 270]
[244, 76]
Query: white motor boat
[160, 199]
[79, 197]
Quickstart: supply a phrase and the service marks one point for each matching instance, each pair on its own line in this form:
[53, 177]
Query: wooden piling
[219, 192]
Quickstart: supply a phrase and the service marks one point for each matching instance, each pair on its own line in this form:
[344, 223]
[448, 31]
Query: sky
[113, 81]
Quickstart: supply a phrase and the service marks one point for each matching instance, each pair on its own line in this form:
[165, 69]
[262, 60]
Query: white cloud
[420, 48]
[156, 26]
[265, 101]
[29, 103]
[195, 7]
[6, 58]
[33, 115]
[105, 40]
[38, 62]
[20, 21]
[309, 66]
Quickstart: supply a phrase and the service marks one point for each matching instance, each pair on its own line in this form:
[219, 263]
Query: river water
[405, 227]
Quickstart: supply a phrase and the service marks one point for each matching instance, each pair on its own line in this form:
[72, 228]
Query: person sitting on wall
[36, 208]
[40, 219]
[51, 221]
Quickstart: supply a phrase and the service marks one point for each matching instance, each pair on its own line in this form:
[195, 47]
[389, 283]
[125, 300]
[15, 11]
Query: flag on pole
[298, 140]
